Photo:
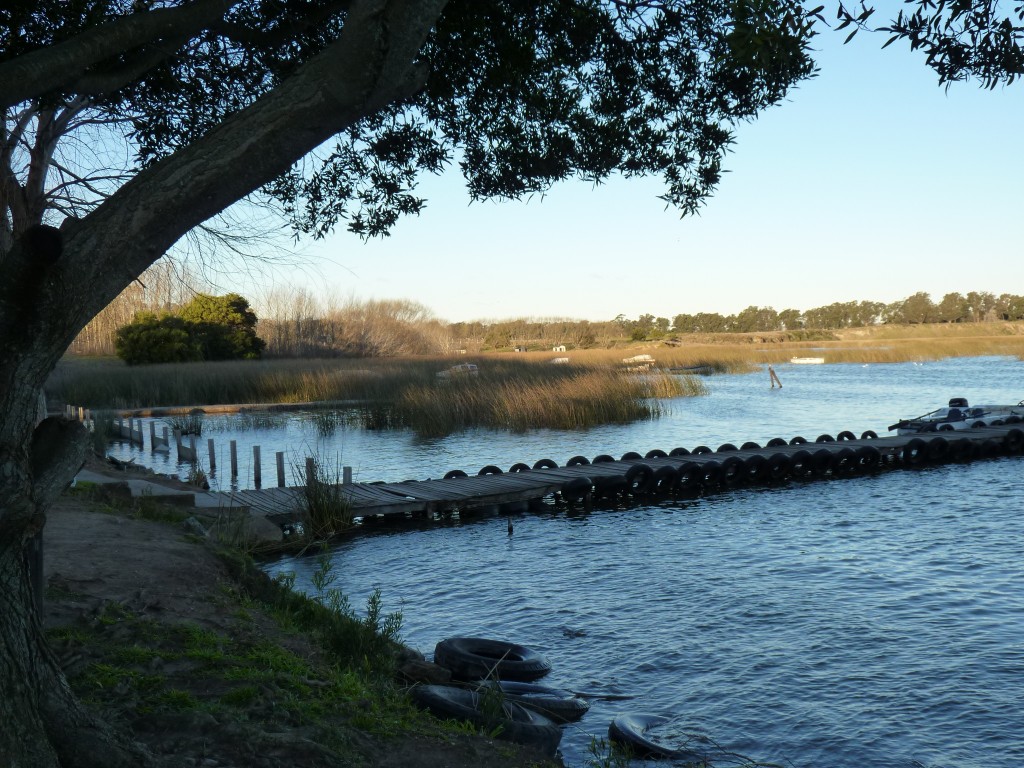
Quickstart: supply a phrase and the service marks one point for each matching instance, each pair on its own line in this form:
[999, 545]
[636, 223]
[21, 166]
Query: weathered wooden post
[346, 475]
[257, 475]
[213, 456]
[311, 478]
[234, 458]
[280, 469]
[152, 436]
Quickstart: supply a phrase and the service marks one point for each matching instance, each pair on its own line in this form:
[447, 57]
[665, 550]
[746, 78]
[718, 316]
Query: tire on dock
[679, 452]
[689, 477]
[868, 434]
[775, 442]
[578, 461]
[545, 464]
[602, 458]
[664, 480]
[630, 456]
[1013, 441]
[639, 479]
[798, 440]
[846, 435]
[454, 473]
[490, 469]
[800, 464]
[519, 467]
[655, 453]
[778, 467]
[577, 489]
[913, 453]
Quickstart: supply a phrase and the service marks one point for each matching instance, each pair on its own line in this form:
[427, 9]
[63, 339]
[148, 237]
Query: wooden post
[346, 475]
[167, 442]
[234, 458]
[280, 469]
[152, 436]
[192, 448]
[81, 413]
[773, 378]
[213, 456]
[177, 441]
[257, 475]
[310, 472]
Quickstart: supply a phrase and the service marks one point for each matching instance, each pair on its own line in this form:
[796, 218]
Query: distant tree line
[294, 323]
[974, 307]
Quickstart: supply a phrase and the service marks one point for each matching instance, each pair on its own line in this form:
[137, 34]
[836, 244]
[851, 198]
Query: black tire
[821, 462]
[963, 450]
[1013, 419]
[545, 464]
[824, 439]
[844, 462]
[556, 704]
[679, 452]
[655, 453]
[630, 456]
[750, 445]
[756, 468]
[996, 423]
[868, 458]
[629, 731]
[510, 721]
[701, 449]
[490, 469]
[945, 427]
[978, 424]
[868, 434]
[477, 658]
[775, 442]
[519, 467]
[798, 441]
[989, 448]
[938, 448]
[1013, 442]
[639, 479]
[846, 435]
[726, 448]
[602, 458]
[800, 464]
[610, 486]
[711, 474]
[664, 479]
[778, 466]
[914, 452]
[454, 473]
[732, 472]
[577, 489]
[578, 461]
[689, 477]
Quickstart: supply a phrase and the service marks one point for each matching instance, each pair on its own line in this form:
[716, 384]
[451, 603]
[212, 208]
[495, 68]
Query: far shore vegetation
[513, 391]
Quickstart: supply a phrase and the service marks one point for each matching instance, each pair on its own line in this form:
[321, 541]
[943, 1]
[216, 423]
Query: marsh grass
[325, 510]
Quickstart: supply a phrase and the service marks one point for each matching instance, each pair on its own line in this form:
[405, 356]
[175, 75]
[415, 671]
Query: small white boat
[960, 415]
[807, 360]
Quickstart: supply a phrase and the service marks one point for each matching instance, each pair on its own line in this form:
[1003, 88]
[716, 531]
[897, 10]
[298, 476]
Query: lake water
[877, 620]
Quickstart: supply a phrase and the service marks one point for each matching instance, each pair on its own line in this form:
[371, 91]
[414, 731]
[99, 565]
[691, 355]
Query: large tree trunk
[54, 282]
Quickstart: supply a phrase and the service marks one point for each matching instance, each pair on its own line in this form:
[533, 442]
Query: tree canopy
[130, 123]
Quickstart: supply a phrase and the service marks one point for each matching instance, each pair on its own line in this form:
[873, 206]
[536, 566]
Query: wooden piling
[257, 474]
[213, 455]
[280, 469]
[234, 458]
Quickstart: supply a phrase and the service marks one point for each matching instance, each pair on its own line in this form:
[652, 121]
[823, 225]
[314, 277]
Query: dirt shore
[156, 635]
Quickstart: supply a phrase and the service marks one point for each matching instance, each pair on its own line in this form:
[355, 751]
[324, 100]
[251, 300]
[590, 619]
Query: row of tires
[657, 453]
[692, 477]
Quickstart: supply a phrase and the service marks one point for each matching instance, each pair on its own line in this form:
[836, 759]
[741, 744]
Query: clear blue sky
[869, 182]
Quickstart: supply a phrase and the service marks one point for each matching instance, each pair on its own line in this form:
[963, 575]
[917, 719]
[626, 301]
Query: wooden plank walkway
[685, 474]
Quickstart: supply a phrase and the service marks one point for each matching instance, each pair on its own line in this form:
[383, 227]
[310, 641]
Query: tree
[330, 109]
[224, 327]
[150, 338]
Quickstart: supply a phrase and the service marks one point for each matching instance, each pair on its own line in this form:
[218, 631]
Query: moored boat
[807, 360]
[959, 414]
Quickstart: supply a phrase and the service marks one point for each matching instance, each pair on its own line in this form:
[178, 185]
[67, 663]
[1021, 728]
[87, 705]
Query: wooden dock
[680, 472]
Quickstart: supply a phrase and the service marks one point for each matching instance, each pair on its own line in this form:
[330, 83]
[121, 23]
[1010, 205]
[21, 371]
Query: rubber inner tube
[630, 730]
[558, 705]
[477, 658]
[577, 461]
[506, 719]
[490, 469]
[452, 474]
[545, 464]
[655, 453]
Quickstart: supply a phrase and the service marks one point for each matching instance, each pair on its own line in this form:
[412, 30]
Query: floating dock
[677, 473]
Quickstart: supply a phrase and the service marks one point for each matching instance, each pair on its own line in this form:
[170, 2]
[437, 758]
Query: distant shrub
[207, 328]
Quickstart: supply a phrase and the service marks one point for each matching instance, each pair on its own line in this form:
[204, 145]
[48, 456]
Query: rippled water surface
[873, 621]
